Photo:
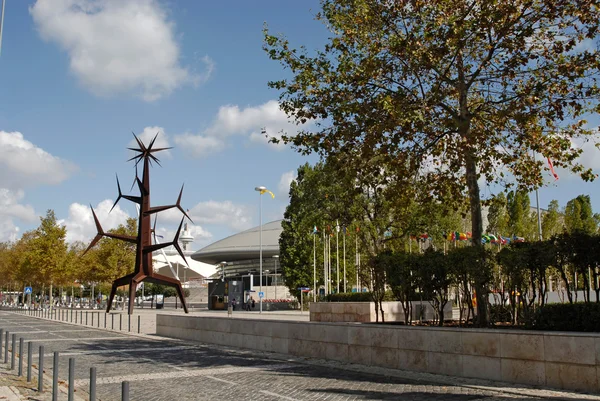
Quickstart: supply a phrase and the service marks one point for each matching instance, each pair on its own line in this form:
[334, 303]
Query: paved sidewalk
[166, 369]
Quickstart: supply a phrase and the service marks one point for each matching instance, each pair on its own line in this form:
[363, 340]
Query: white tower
[186, 238]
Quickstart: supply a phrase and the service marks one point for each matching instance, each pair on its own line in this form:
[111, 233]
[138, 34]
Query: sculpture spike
[175, 243]
[118, 197]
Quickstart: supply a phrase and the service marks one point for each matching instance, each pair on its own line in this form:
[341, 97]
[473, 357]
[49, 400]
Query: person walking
[233, 304]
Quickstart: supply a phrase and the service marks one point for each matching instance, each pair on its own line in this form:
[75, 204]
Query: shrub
[568, 317]
[357, 297]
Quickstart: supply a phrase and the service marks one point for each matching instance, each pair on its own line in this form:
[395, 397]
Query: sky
[77, 77]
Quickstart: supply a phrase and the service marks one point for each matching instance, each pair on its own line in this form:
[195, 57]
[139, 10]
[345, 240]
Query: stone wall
[559, 360]
[365, 311]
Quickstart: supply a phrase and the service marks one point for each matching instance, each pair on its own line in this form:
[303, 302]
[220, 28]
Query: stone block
[329, 333]
[360, 354]
[447, 341]
[384, 357]
[335, 351]
[444, 363]
[527, 346]
[326, 317]
[280, 330]
[279, 345]
[315, 316]
[412, 338]
[526, 372]
[299, 331]
[571, 377]
[482, 367]
[384, 337]
[481, 343]
[337, 307]
[569, 349]
[359, 335]
[412, 360]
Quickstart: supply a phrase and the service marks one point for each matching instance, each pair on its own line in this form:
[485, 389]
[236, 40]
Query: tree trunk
[477, 232]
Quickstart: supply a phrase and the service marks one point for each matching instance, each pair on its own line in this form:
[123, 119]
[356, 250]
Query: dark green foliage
[568, 317]
[357, 297]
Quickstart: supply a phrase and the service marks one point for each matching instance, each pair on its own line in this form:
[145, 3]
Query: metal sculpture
[143, 256]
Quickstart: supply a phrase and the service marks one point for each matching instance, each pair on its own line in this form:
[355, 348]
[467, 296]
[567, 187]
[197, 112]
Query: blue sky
[77, 76]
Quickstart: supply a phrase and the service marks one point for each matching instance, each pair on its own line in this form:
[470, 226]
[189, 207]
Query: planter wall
[365, 311]
[559, 360]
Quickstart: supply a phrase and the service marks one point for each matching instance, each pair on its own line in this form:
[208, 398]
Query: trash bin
[159, 306]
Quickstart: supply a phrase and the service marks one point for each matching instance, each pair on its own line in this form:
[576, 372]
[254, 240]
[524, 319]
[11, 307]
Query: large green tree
[552, 221]
[579, 215]
[465, 85]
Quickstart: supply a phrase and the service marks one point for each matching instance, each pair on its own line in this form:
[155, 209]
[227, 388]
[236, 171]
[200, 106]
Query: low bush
[567, 317]
[356, 297]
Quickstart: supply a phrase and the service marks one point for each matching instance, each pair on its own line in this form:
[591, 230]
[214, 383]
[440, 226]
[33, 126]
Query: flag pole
[537, 201]
[337, 254]
[1, 23]
[344, 259]
[315, 266]
[325, 263]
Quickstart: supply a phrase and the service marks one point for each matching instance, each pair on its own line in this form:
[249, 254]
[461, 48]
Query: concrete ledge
[560, 360]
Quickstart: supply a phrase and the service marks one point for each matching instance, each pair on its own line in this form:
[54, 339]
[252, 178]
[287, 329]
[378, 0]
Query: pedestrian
[247, 305]
[233, 304]
[253, 303]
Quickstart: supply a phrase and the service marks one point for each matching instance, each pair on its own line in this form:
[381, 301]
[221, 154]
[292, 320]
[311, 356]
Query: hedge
[568, 317]
[357, 297]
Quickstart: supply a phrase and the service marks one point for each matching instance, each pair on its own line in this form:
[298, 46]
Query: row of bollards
[77, 318]
[11, 339]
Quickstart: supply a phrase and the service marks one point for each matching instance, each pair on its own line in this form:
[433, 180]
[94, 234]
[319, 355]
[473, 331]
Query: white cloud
[284, 183]
[199, 145]
[80, 222]
[148, 134]
[11, 209]
[24, 164]
[248, 122]
[117, 46]
[221, 213]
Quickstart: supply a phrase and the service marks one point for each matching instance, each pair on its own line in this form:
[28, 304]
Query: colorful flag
[344, 230]
[266, 190]
[315, 230]
[552, 169]
[357, 229]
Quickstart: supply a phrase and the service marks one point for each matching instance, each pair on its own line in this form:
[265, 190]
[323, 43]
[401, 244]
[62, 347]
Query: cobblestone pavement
[167, 369]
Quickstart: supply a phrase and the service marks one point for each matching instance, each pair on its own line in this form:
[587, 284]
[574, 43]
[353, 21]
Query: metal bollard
[29, 360]
[12, 352]
[92, 384]
[128, 323]
[104, 319]
[98, 319]
[71, 391]
[125, 391]
[6, 347]
[120, 321]
[86, 318]
[1, 335]
[139, 324]
[41, 369]
[55, 377]
[75, 316]
[21, 356]
[93, 318]
[81, 317]
[112, 318]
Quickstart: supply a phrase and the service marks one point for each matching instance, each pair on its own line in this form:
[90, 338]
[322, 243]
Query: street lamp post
[276, 257]
[261, 190]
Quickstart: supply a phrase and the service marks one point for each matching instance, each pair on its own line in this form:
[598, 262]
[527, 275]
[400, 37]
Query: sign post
[28, 291]
[302, 290]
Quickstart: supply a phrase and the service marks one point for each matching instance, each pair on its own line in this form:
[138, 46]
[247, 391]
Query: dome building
[238, 261]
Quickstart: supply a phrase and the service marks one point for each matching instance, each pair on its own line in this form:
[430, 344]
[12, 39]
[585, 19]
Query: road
[167, 369]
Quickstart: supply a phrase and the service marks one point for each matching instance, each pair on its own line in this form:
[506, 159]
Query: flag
[357, 229]
[266, 190]
[344, 230]
[552, 169]
[315, 230]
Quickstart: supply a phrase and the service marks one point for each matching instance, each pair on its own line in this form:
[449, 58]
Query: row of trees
[322, 195]
[43, 259]
[518, 277]
[444, 93]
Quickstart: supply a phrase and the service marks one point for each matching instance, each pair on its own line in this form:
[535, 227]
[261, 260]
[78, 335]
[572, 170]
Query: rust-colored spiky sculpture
[143, 256]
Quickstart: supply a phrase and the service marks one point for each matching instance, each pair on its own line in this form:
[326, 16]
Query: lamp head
[261, 188]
